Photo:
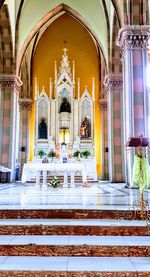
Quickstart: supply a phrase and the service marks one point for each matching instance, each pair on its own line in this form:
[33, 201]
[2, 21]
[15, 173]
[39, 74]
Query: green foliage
[76, 153]
[51, 154]
[86, 153]
[40, 153]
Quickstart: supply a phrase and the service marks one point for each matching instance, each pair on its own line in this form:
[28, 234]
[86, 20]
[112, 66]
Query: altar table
[66, 168]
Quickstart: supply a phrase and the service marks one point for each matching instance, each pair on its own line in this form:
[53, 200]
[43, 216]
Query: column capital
[114, 81]
[11, 81]
[25, 104]
[103, 104]
[132, 37]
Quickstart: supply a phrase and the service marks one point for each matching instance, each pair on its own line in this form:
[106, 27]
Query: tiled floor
[97, 196]
[102, 195]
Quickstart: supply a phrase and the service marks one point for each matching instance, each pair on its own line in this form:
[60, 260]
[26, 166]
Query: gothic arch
[56, 11]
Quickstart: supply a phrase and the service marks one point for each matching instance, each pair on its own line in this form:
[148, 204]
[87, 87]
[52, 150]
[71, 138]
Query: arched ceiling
[92, 13]
[96, 15]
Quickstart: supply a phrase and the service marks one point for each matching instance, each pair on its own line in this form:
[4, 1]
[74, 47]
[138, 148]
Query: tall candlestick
[78, 88]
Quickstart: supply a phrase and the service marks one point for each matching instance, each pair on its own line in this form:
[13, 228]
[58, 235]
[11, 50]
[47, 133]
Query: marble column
[9, 89]
[133, 43]
[113, 83]
[25, 105]
[104, 120]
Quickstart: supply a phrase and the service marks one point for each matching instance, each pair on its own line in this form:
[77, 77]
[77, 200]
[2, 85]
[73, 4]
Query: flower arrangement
[57, 154]
[69, 155]
[54, 182]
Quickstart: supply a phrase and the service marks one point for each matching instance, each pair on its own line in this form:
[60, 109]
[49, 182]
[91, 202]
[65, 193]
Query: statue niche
[65, 106]
[85, 129]
[65, 111]
[42, 129]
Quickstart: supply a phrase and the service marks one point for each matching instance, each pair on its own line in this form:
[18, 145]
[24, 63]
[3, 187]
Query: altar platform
[72, 232]
[100, 195]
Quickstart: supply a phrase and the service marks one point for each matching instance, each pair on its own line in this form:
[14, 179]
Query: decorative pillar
[133, 43]
[25, 105]
[73, 78]
[104, 120]
[9, 89]
[114, 83]
[53, 115]
[50, 88]
[78, 89]
[76, 119]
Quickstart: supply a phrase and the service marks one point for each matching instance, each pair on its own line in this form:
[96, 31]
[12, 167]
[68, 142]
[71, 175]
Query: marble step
[51, 211]
[99, 227]
[74, 266]
[96, 246]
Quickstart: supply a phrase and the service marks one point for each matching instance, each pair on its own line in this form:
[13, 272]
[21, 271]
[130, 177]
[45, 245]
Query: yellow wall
[82, 50]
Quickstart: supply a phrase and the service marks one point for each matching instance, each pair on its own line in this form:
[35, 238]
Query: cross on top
[65, 50]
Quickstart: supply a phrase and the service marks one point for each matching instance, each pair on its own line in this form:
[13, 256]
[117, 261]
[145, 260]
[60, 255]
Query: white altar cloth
[66, 168]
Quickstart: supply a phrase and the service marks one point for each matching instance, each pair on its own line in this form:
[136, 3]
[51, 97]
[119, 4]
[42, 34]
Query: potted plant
[76, 154]
[86, 153]
[51, 154]
[40, 153]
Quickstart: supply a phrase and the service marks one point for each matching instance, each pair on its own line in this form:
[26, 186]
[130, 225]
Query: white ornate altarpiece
[60, 117]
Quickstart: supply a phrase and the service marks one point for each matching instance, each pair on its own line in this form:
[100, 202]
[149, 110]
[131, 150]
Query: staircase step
[46, 232]
[74, 266]
[74, 227]
[96, 246]
[53, 212]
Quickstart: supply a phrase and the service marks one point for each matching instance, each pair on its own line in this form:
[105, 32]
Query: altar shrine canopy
[64, 119]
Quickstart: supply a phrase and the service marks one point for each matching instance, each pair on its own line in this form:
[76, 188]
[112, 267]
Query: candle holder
[140, 208]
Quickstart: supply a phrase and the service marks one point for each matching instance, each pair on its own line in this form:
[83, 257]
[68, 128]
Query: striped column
[9, 86]
[104, 120]
[25, 105]
[133, 42]
[114, 84]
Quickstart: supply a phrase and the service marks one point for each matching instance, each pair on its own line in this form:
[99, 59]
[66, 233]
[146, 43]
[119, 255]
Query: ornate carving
[64, 68]
[133, 37]
[103, 104]
[113, 81]
[10, 80]
[18, 83]
[25, 104]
